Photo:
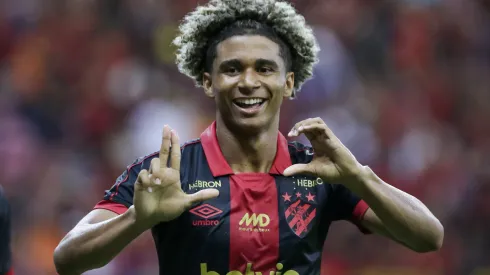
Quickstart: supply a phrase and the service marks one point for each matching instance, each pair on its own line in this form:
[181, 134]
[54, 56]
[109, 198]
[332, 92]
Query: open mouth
[249, 103]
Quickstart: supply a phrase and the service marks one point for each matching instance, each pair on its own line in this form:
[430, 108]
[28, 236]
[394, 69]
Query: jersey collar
[219, 166]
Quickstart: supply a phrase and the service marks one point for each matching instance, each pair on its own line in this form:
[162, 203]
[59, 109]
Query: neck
[248, 153]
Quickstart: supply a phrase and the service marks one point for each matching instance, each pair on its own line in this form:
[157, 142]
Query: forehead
[248, 48]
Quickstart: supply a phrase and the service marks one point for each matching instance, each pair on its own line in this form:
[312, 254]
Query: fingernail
[301, 128]
[150, 190]
[157, 181]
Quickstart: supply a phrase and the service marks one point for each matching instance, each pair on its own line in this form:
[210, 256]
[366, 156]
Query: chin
[251, 124]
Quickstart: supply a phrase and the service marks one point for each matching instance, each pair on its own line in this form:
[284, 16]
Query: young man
[241, 199]
[5, 254]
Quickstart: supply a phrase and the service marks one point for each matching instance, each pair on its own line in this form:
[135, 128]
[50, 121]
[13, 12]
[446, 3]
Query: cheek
[221, 87]
[221, 93]
[277, 87]
[224, 83]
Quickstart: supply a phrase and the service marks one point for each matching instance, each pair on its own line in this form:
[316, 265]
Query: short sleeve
[348, 206]
[5, 235]
[120, 196]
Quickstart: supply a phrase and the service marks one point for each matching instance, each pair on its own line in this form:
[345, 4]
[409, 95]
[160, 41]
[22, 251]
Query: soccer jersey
[261, 223]
[5, 256]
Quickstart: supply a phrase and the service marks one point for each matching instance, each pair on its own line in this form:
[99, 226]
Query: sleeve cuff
[358, 214]
[115, 207]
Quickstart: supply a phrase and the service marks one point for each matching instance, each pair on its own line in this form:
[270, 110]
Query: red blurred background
[85, 87]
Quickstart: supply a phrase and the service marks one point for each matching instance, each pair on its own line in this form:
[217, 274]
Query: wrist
[138, 223]
[362, 181]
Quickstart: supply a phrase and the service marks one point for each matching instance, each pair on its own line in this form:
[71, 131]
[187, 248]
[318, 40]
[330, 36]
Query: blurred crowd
[86, 86]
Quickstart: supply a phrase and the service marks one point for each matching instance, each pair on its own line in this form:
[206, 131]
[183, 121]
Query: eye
[231, 71]
[265, 70]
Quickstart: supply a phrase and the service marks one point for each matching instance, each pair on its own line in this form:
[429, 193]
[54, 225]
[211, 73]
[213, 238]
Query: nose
[249, 81]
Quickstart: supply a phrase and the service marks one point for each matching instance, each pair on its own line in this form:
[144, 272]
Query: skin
[245, 66]
[248, 66]
[392, 213]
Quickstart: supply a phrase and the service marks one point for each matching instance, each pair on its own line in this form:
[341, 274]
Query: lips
[249, 106]
[248, 102]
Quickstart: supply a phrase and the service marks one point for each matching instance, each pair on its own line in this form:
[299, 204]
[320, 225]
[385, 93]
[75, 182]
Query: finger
[155, 171]
[175, 151]
[329, 171]
[294, 130]
[313, 129]
[329, 131]
[297, 169]
[202, 195]
[310, 121]
[154, 166]
[309, 130]
[165, 147]
[321, 124]
[143, 180]
[318, 129]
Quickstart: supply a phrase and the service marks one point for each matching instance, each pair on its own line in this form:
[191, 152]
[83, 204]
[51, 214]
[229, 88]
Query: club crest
[300, 211]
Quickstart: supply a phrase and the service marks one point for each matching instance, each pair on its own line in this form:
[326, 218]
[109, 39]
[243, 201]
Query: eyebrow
[237, 63]
[261, 62]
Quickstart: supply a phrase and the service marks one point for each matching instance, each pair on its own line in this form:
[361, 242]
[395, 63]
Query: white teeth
[249, 101]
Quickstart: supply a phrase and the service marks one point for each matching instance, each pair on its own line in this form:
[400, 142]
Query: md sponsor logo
[249, 271]
[206, 212]
[254, 222]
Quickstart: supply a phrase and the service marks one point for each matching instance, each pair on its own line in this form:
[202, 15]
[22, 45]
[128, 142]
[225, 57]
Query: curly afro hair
[204, 27]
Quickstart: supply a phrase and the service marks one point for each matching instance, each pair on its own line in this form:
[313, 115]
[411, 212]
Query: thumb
[202, 195]
[295, 169]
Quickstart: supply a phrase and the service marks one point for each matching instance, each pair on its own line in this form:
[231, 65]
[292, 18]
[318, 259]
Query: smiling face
[248, 82]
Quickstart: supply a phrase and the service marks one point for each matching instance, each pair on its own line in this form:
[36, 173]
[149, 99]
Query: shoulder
[299, 152]
[186, 149]
[191, 145]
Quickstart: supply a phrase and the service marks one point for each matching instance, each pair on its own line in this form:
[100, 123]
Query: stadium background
[85, 87]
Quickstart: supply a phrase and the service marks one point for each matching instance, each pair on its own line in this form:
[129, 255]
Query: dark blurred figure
[5, 256]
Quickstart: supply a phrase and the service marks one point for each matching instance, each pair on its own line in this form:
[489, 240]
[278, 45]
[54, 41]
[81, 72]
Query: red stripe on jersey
[358, 214]
[254, 223]
[360, 210]
[111, 206]
[10, 272]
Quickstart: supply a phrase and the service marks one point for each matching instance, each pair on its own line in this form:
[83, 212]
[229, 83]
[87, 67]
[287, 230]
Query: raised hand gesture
[158, 196]
[332, 161]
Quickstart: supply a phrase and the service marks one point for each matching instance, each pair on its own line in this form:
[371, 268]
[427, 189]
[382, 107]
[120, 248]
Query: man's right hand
[158, 196]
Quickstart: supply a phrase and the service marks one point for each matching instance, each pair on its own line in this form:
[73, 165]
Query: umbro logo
[205, 211]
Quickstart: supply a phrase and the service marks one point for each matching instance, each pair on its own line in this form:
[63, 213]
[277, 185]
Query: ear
[207, 84]
[289, 85]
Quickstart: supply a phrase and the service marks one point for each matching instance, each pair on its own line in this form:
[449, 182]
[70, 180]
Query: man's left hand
[332, 161]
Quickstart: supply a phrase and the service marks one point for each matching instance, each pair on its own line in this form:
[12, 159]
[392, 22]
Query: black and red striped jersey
[261, 223]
